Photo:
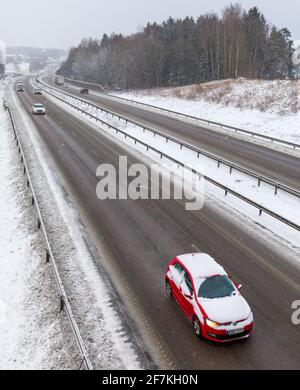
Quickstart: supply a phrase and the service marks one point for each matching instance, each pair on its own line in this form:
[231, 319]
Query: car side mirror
[238, 286]
[186, 291]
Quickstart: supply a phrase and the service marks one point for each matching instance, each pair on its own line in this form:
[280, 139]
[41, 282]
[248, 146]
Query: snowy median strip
[166, 137]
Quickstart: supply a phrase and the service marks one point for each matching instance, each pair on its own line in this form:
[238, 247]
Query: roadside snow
[33, 334]
[267, 107]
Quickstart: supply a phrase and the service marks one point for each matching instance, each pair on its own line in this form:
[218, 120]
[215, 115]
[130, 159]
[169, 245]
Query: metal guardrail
[219, 160]
[262, 209]
[64, 303]
[85, 84]
[206, 121]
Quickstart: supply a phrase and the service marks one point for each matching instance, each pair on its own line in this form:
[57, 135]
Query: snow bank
[266, 107]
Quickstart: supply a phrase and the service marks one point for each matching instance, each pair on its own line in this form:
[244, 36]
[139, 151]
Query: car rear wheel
[197, 327]
[169, 289]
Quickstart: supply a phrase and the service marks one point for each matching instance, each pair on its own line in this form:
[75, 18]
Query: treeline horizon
[238, 43]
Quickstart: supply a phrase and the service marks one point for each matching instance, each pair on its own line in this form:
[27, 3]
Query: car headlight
[212, 324]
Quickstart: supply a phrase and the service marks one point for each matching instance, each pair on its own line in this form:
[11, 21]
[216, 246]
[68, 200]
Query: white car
[38, 109]
[209, 298]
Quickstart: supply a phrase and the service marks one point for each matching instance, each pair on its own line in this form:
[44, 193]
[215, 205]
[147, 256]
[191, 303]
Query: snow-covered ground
[97, 312]
[267, 107]
[283, 204]
[33, 334]
[22, 67]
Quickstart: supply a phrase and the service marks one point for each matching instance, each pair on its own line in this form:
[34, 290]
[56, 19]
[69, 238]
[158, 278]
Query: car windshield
[218, 286]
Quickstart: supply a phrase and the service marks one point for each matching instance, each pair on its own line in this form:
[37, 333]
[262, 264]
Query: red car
[209, 298]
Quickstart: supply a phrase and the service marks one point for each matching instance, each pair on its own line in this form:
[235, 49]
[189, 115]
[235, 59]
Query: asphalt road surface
[274, 164]
[143, 236]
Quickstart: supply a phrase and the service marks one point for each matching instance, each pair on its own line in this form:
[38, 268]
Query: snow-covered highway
[136, 239]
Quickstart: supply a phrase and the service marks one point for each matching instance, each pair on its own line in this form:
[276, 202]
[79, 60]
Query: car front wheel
[168, 289]
[197, 327]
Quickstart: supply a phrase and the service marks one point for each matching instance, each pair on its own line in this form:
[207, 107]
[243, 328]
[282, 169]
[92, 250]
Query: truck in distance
[59, 80]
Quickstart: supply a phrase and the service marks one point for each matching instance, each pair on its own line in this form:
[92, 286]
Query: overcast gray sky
[63, 23]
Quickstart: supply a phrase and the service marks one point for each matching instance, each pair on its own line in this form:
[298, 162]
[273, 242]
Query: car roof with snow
[201, 265]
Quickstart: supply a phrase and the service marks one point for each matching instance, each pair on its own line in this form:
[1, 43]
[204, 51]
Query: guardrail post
[276, 189]
[47, 256]
[39, 223]
[230, 170]
[62, 303]
[260, 212]
[259, 181]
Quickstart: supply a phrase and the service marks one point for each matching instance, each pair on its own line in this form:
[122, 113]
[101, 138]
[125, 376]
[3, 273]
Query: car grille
[228, 337]
[233, 323]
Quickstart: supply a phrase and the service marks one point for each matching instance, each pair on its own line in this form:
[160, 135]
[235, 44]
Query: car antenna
[195, 249]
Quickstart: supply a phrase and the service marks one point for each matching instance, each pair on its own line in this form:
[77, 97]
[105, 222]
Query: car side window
[188, 282]
[177, 272]
[179, 268]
